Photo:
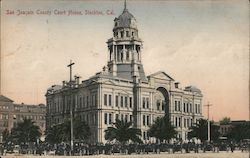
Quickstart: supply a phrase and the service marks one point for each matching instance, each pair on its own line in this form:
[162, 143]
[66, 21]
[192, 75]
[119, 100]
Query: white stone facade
[122, 90]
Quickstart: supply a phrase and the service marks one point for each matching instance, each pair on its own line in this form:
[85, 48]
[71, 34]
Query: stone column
[113, 99]
[123, 53]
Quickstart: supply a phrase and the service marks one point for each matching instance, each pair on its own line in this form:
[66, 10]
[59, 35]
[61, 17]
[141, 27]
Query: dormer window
[127, 33]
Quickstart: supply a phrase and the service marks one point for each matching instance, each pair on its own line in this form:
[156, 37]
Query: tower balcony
[119, 39]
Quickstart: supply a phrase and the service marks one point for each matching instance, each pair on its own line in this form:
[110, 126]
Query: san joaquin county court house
[122, 90]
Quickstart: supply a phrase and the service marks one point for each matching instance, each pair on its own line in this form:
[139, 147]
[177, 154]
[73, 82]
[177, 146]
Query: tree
[81, 130]
[6, 135]
[199, 130]
[162, 129]
[26, 132]
[225, 121]
[54, 134]
[7, 139]
[61, 132]
[123, 132]
[240, 132]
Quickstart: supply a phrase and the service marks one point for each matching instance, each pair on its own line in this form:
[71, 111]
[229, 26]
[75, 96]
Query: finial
[125, 4]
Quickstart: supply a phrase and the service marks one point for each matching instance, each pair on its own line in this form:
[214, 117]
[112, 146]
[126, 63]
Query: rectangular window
[158, 104]
[175, 105]
[87, 101]
[184, 107]
[196, 108]
[130, 102]
[116, 116]
[163, 105]
[126, 118]
[147, 103]
[148, 121]
[122, 34]
[185, 125]
[116, 101]
[179, 105]
[110, 118]
[122, 118]
[143, 103]
[130, 118]
[176, 122]
[121, 101]
[179, 121]
[126, 101]
[93, 100]
[105, 99]
[105, 118]
[110, 100]
[83, 101]
[143, 120]
[127, 34]
[5, 124]
[80, 103]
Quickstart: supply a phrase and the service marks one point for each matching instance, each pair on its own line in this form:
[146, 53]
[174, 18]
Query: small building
[225, 129]
[12, 113]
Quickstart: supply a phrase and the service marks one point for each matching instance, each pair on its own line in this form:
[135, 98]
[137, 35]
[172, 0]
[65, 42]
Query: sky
[200, 43]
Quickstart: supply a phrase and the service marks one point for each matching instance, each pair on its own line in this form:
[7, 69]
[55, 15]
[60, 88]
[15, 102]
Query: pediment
[161, 75]
[109, 82]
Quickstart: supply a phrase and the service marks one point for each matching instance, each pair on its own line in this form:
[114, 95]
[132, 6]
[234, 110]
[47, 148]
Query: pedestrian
[232, 147]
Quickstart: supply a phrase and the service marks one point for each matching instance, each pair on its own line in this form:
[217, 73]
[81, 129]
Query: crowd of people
[109, 149]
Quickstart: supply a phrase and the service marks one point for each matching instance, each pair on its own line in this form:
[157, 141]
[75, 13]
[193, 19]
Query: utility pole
[71, 107]
[208, 122]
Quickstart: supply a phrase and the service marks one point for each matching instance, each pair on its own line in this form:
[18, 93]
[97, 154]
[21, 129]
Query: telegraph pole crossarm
[70, 70]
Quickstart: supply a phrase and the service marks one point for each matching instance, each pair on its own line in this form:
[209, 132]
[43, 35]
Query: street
[236, 154]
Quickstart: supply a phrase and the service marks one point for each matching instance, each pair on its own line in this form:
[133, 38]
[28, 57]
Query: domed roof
[192, 89]
[125, 19]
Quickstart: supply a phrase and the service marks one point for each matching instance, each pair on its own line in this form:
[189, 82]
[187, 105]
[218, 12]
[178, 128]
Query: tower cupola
[125, 48]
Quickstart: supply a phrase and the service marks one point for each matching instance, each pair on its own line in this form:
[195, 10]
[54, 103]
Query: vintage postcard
[133, 60]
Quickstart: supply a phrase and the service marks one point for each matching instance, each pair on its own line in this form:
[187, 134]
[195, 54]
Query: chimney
[77, 79]
[176, 84]
[63, 83]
